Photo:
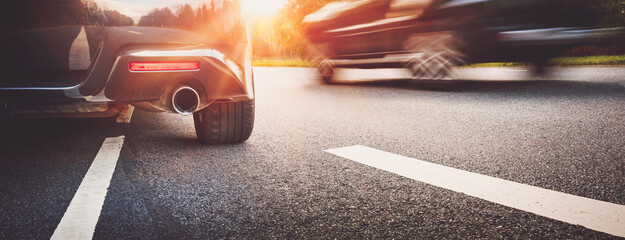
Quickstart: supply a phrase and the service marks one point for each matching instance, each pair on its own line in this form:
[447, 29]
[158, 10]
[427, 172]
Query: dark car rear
[91, 58]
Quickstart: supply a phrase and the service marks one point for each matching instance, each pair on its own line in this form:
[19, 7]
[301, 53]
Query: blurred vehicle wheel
[434, 55]
[223, 123]
[326, 70]
[322, 62]
[540, 67]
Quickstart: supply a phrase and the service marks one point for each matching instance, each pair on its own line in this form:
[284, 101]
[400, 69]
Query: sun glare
[263, 6]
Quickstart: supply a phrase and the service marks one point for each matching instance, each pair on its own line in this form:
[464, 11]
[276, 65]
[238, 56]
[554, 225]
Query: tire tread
[224, 123]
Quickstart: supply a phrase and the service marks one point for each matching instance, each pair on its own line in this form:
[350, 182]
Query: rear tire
[435, 55]
[224, 123]
[321, 58]
[326, 71]
[540, 67]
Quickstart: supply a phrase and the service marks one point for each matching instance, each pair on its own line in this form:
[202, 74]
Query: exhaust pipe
[185, 100]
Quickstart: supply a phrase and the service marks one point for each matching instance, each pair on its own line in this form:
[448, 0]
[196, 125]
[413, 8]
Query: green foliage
[104, 17]
[288, 28]
[605, 60]
[223, 23]
[159, 17]
[44, 14]
[592, 60]
[186, 16]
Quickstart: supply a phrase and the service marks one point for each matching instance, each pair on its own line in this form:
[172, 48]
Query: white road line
[133, 32]
[126, 115]
[83, 212]
[593, 214]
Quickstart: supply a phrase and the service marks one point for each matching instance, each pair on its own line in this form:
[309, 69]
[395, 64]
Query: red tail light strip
[163, 66]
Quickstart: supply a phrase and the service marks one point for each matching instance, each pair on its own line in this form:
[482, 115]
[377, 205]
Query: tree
[159, 17]
[288, 27]
[186, 17]
[115, 18]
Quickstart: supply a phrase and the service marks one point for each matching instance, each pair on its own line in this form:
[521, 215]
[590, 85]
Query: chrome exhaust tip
[185, 100]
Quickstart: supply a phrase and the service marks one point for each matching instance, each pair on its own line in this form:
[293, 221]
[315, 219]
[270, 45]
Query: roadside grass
[592, 60]
[497, 64]
[607, 60]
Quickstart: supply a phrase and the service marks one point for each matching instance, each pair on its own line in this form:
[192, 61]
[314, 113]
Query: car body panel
[489, 30]
[64, 52]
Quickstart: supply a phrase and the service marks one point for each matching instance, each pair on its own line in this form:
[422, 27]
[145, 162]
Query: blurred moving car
[94, 58]
[429, 37]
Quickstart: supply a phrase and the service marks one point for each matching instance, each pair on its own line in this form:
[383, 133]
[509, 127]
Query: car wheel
[326, 71]
[540, 67]
[321, 59]
[434, 55]
[223, 123]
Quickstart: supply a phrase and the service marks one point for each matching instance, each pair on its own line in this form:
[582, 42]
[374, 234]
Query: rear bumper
[220, 77]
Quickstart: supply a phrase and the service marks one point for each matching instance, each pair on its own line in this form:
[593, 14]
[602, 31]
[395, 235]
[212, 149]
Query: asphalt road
[565, 134]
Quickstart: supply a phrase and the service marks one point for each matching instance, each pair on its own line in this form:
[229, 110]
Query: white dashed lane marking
[82, 215]
[593, 214]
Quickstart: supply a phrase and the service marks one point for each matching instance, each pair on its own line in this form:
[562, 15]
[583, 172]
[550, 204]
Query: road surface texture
[565, 134]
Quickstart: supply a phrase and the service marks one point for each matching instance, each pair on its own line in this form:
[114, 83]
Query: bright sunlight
[263, 6]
